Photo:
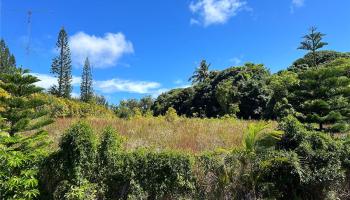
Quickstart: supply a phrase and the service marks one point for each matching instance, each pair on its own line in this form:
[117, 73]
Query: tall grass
[183, 134]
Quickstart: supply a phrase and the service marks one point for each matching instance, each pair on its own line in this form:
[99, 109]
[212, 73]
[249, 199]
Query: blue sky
[142, 48]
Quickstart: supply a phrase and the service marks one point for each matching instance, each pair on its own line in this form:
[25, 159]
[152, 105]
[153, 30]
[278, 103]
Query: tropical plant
[201, 73]
[260, 137]
[20, 160]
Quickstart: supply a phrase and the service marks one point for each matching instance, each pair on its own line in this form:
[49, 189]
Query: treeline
[314, 88]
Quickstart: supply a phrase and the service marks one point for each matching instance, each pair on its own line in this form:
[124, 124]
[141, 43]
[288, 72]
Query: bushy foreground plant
[20, 158]
[81, 169]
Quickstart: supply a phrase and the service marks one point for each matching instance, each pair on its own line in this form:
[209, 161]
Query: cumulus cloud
[210, 12]
[46, 80]
[102, 51]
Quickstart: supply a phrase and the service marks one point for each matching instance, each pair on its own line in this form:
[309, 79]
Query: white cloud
[102, 51]
[215, 11]
[298, 3]
[46, 80]
[112, 86]
[119, 85]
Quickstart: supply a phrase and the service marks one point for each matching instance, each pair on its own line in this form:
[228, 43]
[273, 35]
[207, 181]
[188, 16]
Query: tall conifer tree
[22, 110]
[86, 90]
[7, 60]
[323, 95]
[313, 42]
[62, 67]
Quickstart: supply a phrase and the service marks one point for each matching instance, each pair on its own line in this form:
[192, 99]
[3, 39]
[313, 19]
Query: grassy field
[183, 134]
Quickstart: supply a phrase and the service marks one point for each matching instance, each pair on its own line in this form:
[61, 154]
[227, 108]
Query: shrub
[62, 107]
[80, 170]
[74, 163]
[171, 115]
[211, 176]
[164, 174]
[319, 156]
[83, 191]
[20, 158]
[280, 175]
[78, 149]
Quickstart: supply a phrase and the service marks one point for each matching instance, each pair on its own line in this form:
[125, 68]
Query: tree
[282, 86]
[7, 60]
[312, 42]
[100, 100]
[323, 95]
[322, 57]
[61, 67]
[86, 90]
[20, 154]
[252, 90]
[146, 104]
[201, 73]
[22, 109]
[227, 97]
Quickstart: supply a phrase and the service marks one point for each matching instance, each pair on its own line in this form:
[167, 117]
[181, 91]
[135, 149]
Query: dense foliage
[22, 110]
[236, 91]
[62, 107]
[316, 95]
[21, 154]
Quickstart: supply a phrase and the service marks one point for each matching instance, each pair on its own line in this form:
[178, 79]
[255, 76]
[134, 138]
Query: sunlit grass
[183, 134]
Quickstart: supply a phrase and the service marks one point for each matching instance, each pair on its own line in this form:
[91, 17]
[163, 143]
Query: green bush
[164, 174]
[80, 167]
[280, 175]
[20, 158]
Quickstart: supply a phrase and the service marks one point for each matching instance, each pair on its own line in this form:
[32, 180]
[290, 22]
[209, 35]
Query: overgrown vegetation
[305, 157]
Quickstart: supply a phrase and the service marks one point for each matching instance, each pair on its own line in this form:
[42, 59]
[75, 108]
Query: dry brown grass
[183, 134]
